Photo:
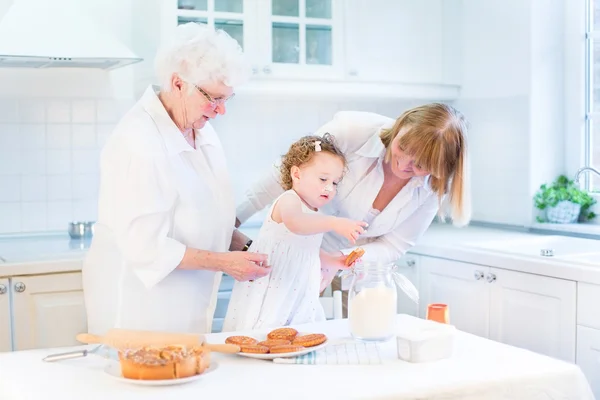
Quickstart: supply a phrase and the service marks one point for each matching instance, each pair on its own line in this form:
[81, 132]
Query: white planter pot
[565, 212]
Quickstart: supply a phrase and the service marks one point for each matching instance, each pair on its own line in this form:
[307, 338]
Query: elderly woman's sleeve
[144, 218]
[260, 194]
[393, 245]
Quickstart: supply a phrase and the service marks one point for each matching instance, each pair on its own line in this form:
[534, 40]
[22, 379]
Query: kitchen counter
[478, 369]
[58, 253]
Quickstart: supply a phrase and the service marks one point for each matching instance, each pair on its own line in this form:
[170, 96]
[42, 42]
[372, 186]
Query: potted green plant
[563, 202]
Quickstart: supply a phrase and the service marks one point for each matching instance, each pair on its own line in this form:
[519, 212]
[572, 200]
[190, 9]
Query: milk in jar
[372, 302]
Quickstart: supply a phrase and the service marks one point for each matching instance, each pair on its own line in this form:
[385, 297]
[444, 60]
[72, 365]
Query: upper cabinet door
[301, 39]
[233, 16]
[401, 41]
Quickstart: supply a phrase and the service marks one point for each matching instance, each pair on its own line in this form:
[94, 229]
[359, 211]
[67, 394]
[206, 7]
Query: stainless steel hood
[54, 34]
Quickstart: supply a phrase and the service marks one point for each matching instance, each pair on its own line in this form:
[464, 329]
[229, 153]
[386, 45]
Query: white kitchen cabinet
[588, 356]
[5, 332]
[400, 48]
[534, 312]
[404, 42]
[523, 310]
[48, 310]
[460, 285]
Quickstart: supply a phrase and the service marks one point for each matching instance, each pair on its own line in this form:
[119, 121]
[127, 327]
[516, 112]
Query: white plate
[114, 370]
[270, 356]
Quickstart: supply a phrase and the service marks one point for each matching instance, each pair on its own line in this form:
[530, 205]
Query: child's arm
[289, 208]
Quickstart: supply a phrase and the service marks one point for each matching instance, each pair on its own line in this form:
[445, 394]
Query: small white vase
[565, 212]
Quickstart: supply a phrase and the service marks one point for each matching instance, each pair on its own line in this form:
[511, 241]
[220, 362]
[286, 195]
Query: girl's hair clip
[317, 145]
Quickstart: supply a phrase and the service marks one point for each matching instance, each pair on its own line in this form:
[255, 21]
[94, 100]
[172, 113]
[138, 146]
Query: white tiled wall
[49, 150]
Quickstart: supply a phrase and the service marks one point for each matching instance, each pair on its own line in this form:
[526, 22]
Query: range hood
[55, 34]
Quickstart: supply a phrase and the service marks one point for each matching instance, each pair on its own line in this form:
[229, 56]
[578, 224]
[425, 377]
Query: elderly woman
[166, 212]
[399, 173]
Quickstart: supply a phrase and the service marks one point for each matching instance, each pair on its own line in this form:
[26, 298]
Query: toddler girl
[291, 235]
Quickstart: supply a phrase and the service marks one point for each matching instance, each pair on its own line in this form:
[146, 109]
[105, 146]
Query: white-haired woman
[166, 211]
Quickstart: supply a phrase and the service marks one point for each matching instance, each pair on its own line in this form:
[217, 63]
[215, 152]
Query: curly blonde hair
[302, 151]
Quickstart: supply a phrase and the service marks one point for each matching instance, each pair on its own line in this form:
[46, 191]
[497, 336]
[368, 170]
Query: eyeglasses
[214, 102]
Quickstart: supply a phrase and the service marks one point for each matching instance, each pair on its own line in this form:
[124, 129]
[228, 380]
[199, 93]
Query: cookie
[254, 348]
[310, 340]
[241, 340]
[274, 342]
[283, 333]
[352, 257]
[285, 348]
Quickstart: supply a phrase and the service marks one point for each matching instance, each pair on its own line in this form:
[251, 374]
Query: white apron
[157, 196]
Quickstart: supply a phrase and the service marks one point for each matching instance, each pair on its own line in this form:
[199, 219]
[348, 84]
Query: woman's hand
[244, 266]
[349, 229]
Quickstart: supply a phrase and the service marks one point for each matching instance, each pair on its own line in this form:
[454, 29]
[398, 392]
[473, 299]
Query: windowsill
[588, 229]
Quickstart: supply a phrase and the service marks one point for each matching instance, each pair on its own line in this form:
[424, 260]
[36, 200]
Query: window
[592, 90]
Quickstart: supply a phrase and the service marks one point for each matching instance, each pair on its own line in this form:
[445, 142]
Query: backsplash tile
[49, 155]
[50, 149]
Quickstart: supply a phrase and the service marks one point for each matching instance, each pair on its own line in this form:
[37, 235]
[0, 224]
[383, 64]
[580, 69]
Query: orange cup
[438, 313]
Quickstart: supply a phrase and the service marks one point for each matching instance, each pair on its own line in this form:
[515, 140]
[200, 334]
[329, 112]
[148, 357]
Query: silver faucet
[580, 172]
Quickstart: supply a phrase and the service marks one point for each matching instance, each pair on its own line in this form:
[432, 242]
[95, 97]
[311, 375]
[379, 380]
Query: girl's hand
[349, 229]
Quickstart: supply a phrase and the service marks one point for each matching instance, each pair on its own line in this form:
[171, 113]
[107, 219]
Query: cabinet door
[48, 310]
[461, 286]
[588, 356]
[5, 319]
[301, 39]
[534, 312]
[409, 267]
[395, 41]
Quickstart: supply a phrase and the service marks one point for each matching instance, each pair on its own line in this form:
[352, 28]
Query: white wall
[513, 95]
[52, 125]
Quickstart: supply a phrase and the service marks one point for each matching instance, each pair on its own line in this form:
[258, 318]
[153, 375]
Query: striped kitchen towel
[345, 353]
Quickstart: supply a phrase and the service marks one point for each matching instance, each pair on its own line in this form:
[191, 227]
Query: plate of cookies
[280, 342]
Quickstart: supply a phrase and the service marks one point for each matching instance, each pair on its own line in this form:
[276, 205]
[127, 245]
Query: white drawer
[588, 301]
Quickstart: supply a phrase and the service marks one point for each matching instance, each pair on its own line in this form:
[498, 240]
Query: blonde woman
[401, 174]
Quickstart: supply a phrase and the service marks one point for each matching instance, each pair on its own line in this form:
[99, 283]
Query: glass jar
[372, 302]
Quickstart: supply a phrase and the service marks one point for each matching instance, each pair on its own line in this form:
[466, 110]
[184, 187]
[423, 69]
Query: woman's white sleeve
[393, 245]
[144, 215]
[260, 194]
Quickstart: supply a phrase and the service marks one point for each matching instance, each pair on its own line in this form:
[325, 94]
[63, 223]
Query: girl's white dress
[290, 293]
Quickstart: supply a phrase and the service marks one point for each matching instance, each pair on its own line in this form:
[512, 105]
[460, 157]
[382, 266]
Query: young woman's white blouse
[397, 228]
[158, 195]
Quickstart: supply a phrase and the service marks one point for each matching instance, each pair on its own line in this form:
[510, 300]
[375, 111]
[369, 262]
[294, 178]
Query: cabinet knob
[254, 70]
[478, 274]
[3, 289]
[491, 278]
[410, 263]
[19, 287]
[267, 69]
[353, 72]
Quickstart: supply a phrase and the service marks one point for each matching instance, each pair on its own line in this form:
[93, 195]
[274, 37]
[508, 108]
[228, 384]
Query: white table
[479, 369]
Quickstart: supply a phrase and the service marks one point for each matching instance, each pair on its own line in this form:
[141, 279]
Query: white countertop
[478, 369]
[58, 253]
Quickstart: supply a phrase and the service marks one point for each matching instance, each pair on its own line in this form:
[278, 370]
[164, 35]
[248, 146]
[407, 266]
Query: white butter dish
[424, 341]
